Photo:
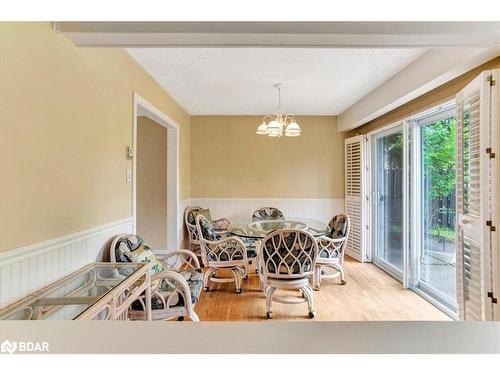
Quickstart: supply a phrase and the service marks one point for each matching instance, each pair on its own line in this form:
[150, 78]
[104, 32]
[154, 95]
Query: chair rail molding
[28, 268]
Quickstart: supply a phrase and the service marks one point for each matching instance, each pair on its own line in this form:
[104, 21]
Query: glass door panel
[387, 198]
[437, 258]
[433, 247]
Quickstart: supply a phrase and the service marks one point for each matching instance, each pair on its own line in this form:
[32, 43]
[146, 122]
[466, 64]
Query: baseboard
[28, 268]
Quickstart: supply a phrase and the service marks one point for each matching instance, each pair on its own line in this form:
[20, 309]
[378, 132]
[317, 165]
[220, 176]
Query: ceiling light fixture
[278, 125]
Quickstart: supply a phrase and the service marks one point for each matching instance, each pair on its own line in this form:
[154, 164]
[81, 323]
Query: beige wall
[228, 160]
[152, 182]
[65, 122]
[433, 97]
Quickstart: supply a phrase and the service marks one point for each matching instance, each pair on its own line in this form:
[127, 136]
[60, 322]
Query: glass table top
[70, 296]
[259, 229]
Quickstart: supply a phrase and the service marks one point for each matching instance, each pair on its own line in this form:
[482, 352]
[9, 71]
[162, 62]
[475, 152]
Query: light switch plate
[130, 152]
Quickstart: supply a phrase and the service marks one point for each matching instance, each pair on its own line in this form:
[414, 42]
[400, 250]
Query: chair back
[339, 226]
[338, 229]
[190, 222]
[268, 213]
[288, 254]
[216, 250]
[205, 232]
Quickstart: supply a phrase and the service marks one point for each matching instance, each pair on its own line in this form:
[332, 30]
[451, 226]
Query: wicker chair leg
[206, 278]
[269, 300]
[308, 293]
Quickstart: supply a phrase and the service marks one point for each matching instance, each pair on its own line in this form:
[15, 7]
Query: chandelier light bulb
[262, 129]
[273, 125]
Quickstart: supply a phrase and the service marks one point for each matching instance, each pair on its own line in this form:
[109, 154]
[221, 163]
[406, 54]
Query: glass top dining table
[260, 228]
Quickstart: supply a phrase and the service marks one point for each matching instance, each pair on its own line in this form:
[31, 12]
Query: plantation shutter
[355, 196]
[476, 171]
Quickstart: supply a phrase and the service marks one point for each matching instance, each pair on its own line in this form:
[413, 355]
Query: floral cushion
[329, 252]
[267, 213]
[193, 213]
[207, 229]
[194, 278]
[338, 226]
[132, 248]
[125, 245]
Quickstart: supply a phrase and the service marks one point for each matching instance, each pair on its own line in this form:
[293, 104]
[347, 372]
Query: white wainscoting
[26, 269]
[242, 208]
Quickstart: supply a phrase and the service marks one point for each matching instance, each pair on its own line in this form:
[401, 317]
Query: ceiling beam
[282, 34]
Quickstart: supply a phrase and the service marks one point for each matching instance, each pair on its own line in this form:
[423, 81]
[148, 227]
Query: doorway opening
[155, 176]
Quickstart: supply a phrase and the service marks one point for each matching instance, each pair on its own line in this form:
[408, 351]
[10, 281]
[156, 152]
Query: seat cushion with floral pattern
[268, 213]
[338, 226]
[194, 279]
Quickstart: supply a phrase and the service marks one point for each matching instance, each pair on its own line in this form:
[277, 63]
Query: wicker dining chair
[222, 253]
[331, 249]
[287, 258]
[190, 213]
[176, 281]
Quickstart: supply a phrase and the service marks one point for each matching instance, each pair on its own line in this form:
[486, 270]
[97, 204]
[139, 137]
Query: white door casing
[142, 107]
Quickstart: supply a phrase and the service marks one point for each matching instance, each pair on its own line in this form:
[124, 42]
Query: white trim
[406, 195]
[26, 269]
[143, 108]
[21, 253]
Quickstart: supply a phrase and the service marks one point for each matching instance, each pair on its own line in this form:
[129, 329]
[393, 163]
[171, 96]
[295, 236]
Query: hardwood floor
[370, 294]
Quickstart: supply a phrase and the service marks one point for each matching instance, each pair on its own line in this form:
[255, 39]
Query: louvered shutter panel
[475, 174]
[355, 196]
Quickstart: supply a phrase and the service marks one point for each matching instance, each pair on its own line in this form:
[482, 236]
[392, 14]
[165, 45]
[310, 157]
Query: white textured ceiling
[239, 81]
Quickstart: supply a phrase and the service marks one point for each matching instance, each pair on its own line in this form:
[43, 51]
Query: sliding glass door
[387, 200]
[433, 229]
[413, 221]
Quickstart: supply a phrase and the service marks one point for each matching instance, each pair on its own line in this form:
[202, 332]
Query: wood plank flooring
[370, 294]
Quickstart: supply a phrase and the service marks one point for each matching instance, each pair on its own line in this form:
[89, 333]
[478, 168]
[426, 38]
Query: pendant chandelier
[279, 125]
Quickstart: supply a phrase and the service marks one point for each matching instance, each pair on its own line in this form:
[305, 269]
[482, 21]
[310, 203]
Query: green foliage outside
[438, 142]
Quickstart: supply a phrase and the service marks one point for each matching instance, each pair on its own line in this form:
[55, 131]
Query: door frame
[141, 107]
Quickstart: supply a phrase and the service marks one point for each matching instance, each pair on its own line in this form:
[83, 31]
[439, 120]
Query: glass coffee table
[98, 291]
